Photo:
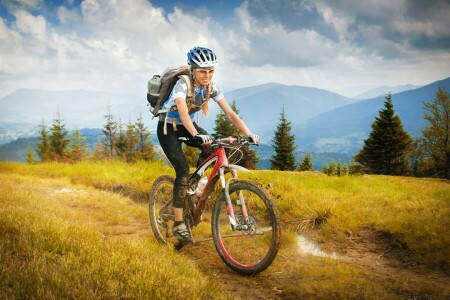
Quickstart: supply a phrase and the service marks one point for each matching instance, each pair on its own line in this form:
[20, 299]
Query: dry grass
[75, 241]
[65, 241]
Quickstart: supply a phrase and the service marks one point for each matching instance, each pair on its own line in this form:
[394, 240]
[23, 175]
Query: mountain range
[322, 121]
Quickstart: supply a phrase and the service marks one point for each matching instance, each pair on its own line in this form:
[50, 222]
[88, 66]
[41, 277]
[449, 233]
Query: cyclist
[179, 122]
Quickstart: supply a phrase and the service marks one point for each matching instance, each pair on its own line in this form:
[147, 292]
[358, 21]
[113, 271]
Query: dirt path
[281, 280]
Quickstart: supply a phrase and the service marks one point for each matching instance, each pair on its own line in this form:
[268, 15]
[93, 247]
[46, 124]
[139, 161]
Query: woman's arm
[184, 116]
[233, 117]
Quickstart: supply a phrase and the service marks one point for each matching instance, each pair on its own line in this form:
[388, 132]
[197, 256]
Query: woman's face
[203, 76]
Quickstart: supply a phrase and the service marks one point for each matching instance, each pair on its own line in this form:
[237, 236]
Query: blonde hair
[190, 102]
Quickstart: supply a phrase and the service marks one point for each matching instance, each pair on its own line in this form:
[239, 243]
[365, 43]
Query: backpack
[160, 86]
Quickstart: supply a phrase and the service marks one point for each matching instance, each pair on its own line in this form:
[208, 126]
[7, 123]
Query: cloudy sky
[345, 46]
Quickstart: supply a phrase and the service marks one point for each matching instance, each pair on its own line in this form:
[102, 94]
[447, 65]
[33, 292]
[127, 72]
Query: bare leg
[178, 212]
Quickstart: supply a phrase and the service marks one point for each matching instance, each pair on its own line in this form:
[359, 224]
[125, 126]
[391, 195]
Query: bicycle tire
[160, 208]
[248, 251]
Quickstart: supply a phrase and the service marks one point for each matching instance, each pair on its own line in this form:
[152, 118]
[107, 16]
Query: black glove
[202, 139]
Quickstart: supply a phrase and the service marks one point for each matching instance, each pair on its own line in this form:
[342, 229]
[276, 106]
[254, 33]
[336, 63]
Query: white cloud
[118, 45]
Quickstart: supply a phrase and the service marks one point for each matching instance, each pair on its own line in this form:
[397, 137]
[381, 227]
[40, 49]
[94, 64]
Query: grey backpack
[160, 86]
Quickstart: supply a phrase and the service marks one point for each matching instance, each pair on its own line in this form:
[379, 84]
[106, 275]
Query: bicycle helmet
[199, 57]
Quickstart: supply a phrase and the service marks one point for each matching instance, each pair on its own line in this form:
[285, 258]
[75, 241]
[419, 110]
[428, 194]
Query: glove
[254, 138]
[203, 139]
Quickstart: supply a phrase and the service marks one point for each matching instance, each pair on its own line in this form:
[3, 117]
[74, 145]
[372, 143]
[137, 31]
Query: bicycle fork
[235, 226]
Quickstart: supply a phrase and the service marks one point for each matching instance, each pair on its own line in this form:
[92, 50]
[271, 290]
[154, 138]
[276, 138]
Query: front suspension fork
[229, 206]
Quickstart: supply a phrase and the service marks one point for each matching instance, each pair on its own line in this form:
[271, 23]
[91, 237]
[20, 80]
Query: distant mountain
[344, 129]
[260, 106]
[322, 121]
[384, 90]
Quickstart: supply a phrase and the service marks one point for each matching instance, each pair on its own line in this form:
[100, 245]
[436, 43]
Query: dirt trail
[278, 280]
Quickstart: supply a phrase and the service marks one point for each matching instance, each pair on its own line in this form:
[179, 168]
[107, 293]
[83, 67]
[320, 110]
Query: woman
[179, 122]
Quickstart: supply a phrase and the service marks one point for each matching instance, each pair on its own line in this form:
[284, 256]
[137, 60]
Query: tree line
[389, 149]
[128, 142]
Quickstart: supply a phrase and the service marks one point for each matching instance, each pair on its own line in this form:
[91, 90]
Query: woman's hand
[203, 139]
[254, 138]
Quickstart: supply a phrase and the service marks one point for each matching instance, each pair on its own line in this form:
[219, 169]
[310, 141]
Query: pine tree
[144, 145]
[59, 140]
[435, 143]
[121, 143]
[110, 131]
[307, 163]
[43, 145]
[386, 150]
[284, 145]
[132, 140]
[78, 148]
[224, 128]
[30, 158]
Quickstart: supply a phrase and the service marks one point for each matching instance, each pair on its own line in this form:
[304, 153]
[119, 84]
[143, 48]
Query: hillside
[383, 90]
[343, 129]
[260, 106]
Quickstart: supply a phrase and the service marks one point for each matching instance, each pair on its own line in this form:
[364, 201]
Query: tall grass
[413, 213]
[58, 242]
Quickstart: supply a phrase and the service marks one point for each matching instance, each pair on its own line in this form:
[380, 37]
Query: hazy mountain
[343, 129]
[323, 122]
[384, 90]
[260, 106]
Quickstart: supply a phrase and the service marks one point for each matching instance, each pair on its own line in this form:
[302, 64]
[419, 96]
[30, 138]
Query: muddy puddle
[307, 246]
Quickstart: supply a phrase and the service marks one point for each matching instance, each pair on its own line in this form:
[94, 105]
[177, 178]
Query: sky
[344, 46]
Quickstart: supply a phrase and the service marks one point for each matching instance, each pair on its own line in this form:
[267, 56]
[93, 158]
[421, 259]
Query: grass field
[81, 231]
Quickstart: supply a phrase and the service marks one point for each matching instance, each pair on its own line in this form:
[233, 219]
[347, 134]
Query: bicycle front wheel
[250, 246]
[160, 208]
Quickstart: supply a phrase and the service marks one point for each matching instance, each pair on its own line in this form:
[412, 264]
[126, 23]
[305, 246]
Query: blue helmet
[199, 57]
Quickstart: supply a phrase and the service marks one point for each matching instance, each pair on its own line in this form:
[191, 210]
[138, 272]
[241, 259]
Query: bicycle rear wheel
[160, 208]
[252, 246]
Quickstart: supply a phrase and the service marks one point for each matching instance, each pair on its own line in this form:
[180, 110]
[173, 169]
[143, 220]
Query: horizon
[343, 48]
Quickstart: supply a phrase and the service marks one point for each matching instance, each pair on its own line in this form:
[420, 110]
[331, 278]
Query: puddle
[309, 247]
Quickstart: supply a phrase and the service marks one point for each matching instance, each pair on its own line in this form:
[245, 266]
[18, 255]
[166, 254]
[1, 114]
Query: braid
[205, 107]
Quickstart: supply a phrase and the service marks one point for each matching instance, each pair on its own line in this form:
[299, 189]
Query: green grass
[64, 241]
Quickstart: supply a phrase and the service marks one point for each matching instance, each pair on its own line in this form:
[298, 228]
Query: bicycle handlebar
[227, 140]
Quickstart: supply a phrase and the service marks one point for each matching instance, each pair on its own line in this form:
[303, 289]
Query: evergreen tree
[59, 140]
[386, 150]
[121, 143]
[30, 158]
[284, 145]
[435, 144]
[132, 140]
[110, 131]
[144, 145]
[224, 128]
[78, 147]
[307, 163]
[43, 145]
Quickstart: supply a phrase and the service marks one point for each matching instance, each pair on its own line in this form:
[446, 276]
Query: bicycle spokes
[250, 245]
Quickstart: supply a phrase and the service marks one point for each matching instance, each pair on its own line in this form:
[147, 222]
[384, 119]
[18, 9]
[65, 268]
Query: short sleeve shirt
[180, 91]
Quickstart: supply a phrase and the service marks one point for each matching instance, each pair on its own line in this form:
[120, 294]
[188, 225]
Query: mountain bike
[244, 220]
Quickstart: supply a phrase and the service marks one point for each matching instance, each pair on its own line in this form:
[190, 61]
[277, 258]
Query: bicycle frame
[220, 168]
